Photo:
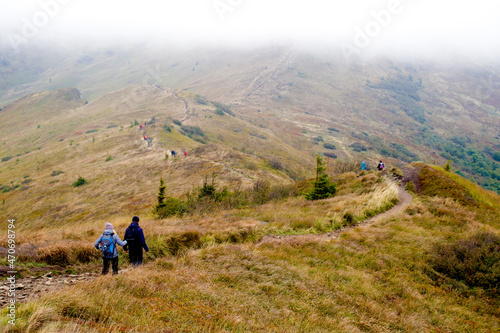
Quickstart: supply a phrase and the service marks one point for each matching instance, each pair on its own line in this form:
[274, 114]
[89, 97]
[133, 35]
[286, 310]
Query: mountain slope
[399, 110]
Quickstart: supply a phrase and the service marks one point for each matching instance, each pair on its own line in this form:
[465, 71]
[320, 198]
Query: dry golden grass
[371, 279]
[127, 184]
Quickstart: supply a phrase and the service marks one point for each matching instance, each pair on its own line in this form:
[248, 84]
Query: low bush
[348, 219]
[224, 108]
[200, 100]
[208, 198]
[171, 207]
[79, 182]
[474, 261]
[194, 130]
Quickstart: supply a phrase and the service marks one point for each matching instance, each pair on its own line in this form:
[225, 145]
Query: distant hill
[316, 102]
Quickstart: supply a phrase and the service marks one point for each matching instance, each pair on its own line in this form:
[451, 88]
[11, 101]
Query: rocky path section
[32, 287]
[405, 199]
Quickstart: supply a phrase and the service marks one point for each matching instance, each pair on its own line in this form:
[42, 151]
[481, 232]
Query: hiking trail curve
[405, 200]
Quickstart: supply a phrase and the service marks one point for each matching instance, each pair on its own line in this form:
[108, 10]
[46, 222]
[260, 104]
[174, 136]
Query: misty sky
[361, 26]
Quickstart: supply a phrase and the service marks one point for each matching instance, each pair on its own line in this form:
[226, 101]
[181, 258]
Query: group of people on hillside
[380, 166]
[174, 154]
[133, 243]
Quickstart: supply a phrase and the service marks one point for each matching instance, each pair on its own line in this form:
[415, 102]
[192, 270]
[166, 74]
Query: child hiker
[107, 244]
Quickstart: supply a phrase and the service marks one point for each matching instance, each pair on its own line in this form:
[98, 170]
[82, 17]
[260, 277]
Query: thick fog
[362, 27]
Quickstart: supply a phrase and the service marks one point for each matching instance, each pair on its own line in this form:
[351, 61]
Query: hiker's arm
[143, 241]
[119, 241]
[97, 242]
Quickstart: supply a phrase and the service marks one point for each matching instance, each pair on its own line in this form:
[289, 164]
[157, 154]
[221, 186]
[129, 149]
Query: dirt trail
[30, 288]
[27, 289]
[405, 199]
[186, 105]
[265, 76]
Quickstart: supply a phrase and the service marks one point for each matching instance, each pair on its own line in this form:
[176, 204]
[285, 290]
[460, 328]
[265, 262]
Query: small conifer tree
[323, 187]
[161, 195]
[447, 166]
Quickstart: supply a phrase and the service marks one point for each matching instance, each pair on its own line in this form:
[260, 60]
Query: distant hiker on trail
[185, 153]
[140, 127]
[173, 153]
[145, 137]
[107, 244]
[380, 166]
[363, 165]
[135, 242]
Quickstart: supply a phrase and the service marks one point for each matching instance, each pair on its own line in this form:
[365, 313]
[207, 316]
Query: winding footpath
[405, 199]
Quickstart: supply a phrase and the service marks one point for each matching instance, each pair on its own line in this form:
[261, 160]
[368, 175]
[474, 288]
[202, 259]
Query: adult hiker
[140, 127]
[380, 166]
[185, 153]
[107, 244]
[135, 242]
[173, 153]
[363, 165]
[145, 137]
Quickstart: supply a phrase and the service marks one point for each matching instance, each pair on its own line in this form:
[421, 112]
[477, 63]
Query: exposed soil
[27, 289]
[411, 174]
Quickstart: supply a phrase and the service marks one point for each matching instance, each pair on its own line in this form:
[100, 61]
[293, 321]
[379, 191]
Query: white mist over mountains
[361, 28]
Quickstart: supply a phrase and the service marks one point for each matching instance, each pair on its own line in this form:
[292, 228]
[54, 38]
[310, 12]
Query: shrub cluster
[79, 182]
[200, 100]
[209, 198]
[223, 108]
[329, 146]
[474, 261]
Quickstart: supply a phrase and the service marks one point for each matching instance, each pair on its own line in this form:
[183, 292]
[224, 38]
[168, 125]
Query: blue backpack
[107, 246]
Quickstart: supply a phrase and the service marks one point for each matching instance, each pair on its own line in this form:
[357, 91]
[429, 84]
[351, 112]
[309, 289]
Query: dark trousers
[135, 256]
[114, 265]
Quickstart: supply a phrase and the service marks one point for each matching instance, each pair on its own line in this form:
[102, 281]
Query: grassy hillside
[394, 109]
[51, 139]
[211, 273]
[259, 256]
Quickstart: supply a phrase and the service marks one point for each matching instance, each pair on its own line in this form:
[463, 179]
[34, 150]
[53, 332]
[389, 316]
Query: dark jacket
[140, 241]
